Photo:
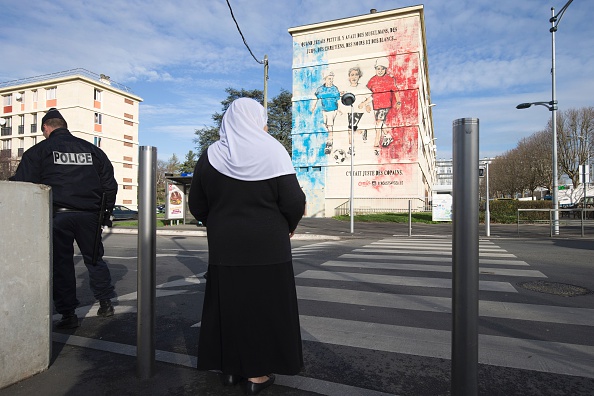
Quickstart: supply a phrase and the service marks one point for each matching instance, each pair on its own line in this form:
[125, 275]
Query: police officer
[80, 174]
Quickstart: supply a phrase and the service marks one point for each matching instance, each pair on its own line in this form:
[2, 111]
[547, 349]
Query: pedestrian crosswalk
[414, 277]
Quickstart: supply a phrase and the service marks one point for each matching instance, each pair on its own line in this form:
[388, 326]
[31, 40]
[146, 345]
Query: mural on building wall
[379, 63]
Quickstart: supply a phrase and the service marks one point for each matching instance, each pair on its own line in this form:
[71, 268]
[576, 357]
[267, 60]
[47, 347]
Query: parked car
[161, 209]
[121, 212]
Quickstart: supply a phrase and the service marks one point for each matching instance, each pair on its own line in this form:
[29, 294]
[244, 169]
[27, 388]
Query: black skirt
[250, 321]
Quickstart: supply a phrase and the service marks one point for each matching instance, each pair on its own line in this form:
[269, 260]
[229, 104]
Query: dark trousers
[80, 227]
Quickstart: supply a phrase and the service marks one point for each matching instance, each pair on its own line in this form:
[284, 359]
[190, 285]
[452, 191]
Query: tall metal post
[487, 213]
[352, 174]
[554, 127]
[147, 258]
[266, 82]
[465, 255]
[409, 217]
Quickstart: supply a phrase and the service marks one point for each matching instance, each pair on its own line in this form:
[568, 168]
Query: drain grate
[558, 289]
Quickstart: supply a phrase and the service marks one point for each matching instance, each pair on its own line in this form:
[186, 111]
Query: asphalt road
[376, 312]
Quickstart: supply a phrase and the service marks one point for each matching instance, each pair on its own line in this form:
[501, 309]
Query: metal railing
[383, 205]
[6, 131]
[545, 217]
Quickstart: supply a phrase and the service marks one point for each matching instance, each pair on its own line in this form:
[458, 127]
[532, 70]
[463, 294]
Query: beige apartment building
[384, 133]
[97, 109]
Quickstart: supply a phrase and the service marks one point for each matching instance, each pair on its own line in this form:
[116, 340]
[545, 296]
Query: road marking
[493, 309]
[431, 268]
[427, 258]
[543, 356]
[401, 280]
[428, 252]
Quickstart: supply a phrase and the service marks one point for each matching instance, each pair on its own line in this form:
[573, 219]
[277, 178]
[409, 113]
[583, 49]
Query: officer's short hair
[56, 123]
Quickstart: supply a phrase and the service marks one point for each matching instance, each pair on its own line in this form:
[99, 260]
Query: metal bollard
[465, 255]
[147, 258]
[409, 217]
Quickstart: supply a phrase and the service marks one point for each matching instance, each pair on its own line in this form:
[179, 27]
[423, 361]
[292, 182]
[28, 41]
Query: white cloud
[484, 56]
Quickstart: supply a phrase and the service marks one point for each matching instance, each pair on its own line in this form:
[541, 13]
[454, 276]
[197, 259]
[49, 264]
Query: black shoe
[105, 308]
[68, 321]
[252, 388]
[229, 379]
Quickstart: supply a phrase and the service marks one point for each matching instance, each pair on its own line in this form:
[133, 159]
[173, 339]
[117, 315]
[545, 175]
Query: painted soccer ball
[339, 156]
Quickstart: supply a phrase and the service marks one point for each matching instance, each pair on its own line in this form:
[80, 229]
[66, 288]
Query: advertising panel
[175, 203]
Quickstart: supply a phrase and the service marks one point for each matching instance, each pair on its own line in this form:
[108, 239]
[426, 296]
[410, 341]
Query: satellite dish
[18, 96]
[2, 121]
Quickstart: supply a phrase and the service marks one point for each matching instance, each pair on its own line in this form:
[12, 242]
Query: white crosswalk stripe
[390, 263]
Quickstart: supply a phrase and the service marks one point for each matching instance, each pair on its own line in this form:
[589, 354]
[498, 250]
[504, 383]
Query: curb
[199, 233]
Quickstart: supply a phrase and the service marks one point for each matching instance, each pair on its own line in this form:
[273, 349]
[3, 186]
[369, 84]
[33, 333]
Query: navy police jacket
[78, 171]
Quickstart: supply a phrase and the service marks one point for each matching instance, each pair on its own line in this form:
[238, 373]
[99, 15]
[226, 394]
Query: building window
[98, 118]
[8, 100]
[51, 97]
[34, 123]
[97, 141]
[6, 144]
[35, 96]
[7, 128]
[97, 95]
[50, 93]
[34, 140]
[21, 124]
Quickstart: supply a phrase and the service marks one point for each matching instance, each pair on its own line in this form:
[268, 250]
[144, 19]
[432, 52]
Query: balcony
[20, 152]
[6, 153]
[6, 131]
[33, 128]
[21, 129]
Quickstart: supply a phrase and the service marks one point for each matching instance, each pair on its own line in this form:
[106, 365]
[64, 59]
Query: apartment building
[97, 109]
[384, 131]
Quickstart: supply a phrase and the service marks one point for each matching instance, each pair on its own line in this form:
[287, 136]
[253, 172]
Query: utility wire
[239, 30]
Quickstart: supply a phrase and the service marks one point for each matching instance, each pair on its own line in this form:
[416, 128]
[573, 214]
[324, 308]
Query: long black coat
[248, 222]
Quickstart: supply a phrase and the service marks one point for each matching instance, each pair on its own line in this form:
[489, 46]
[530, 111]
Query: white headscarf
[245, 150]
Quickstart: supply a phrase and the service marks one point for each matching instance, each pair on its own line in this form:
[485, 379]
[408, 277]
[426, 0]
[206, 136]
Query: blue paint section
[309, 134]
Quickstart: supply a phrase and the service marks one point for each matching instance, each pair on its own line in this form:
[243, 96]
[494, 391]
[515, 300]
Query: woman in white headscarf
[244, 190]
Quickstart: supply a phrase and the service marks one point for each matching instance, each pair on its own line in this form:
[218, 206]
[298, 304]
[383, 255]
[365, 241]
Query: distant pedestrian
[245, 191]
[79, 174]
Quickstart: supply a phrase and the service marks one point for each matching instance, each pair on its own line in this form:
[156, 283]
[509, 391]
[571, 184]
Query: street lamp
[552, 106]
[348, 99]
[586, 169]
[486, 162]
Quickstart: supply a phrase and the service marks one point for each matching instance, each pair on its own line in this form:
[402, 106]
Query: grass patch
[416, 217]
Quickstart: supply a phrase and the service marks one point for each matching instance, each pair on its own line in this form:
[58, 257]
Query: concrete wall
[25, 276]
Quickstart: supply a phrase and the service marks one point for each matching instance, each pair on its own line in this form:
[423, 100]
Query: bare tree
[8, 164]
[575, 132]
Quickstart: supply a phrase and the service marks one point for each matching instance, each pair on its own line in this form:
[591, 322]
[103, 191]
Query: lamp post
[487, 212]
[348, 99]
[552, 106]
[586, 170]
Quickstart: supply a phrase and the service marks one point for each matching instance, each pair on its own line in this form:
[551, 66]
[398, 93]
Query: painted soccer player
[329, 94]
[384, 95]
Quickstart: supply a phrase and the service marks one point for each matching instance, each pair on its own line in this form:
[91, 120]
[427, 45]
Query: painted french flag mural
[378, 60]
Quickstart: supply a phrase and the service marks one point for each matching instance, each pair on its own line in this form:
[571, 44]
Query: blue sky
[484, 57]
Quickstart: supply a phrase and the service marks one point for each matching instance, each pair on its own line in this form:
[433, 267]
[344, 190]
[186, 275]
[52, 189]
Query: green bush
[505, 211]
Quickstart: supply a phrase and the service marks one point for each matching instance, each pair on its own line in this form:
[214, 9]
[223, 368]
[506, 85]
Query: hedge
[505, 211]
